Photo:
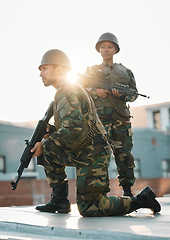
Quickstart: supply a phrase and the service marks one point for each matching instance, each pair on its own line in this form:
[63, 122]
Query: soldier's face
[48, 75]
[107, 50]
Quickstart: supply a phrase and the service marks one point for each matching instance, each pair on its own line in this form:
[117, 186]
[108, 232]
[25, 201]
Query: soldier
[79, 140]
[112, 108]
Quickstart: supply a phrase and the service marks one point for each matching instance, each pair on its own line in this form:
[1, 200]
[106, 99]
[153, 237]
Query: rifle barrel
[142, 95]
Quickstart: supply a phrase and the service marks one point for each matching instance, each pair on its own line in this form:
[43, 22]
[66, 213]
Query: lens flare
[72, 77]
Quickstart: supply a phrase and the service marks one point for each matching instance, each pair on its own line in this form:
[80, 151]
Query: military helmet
[107, 37]
[57, 57]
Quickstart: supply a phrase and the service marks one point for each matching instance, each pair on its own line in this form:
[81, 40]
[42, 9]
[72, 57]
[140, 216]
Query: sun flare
[72, 77]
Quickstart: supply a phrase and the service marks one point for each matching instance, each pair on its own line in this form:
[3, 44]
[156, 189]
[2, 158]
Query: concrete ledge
[137, 225]
[49, 232]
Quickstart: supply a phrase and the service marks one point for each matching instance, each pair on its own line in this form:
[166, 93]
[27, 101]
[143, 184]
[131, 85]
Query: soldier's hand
[102, 92]
[116, 93]
[37, 149]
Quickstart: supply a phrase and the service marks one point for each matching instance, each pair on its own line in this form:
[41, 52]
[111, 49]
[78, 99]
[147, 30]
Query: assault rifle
[37, 136]
[100, 81]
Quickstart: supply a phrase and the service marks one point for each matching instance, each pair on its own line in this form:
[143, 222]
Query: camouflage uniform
[79, 140]
[115, 116]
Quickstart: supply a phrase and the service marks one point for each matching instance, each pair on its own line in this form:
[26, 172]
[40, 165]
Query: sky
[29, 28]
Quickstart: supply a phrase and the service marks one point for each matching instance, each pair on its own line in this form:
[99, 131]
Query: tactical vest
[118, 74]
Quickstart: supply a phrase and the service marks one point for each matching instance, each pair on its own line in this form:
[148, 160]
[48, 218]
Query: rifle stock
[37, 136]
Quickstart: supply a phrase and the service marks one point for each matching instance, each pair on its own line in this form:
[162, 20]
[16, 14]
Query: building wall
[151, 147]
[164, 110]
[139, 117]
[143, 116]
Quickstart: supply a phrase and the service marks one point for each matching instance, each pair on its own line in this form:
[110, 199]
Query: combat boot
[58, 202]
[145, 199]
[127, 191]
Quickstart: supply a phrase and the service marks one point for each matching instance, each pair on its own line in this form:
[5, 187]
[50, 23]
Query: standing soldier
[112, 108]
[79, 140]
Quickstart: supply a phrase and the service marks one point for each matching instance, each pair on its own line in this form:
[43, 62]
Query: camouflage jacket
[74, 113]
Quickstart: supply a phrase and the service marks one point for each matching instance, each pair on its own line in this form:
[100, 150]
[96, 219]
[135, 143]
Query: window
[157, 120]
[2, 164]
[137, 169]
[31, 166]
[166, 168]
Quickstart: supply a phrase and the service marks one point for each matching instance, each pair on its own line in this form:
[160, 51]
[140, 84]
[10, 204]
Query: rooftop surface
[26, 223]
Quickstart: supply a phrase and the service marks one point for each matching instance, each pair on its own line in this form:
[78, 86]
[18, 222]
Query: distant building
[155, 116]
[151, 135]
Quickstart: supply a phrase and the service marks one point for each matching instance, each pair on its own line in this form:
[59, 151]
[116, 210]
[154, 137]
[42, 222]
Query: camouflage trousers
[119, 133]
[92, 177]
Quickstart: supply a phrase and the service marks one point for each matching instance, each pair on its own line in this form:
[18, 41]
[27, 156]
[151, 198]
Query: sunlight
[141, 229]
[72, 77]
